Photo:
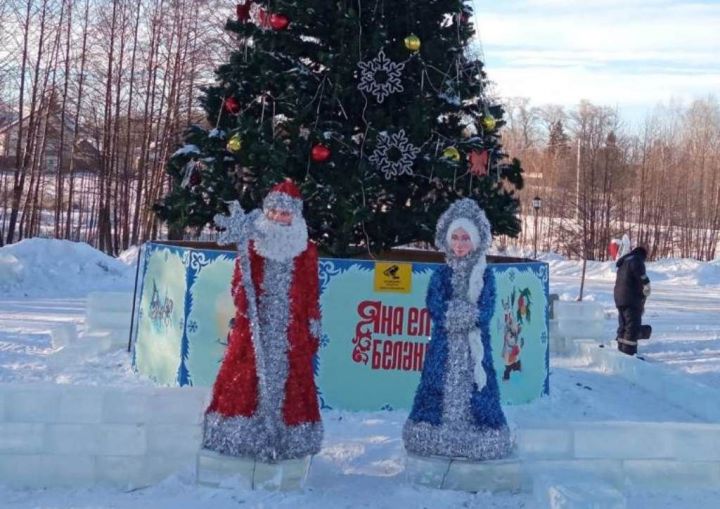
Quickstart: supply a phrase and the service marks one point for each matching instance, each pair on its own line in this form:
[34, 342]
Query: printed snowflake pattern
[324, 340]
[192, 326]
[401, 161]
[380, 77]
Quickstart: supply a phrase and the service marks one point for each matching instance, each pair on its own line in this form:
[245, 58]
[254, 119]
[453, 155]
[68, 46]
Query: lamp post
[536, 203]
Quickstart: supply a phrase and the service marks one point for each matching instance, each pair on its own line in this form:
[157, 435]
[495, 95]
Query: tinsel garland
[282, 201]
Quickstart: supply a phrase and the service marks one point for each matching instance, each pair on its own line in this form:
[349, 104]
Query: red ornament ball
[232, 105]
[279, 21]
[320, 153]
[195, 179]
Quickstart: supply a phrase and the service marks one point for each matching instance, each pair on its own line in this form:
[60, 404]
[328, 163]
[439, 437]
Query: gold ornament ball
[234, 145]
[412, 42]
[452, 153]
[489, 122]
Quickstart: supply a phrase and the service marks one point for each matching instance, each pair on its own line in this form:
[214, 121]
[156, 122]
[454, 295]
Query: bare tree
[19, 176]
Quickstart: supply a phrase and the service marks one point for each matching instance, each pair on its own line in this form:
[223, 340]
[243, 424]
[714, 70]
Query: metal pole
[577, 183]
[141, 250]
[535, 235]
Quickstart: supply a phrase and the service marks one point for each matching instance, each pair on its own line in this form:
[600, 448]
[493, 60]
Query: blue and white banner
[374, 321]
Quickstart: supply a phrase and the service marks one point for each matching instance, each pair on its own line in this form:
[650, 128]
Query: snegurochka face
[460, 243]
[279, 216]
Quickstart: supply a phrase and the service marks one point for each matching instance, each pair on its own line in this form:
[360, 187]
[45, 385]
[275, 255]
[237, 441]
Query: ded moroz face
[279, 216]
[460, 242]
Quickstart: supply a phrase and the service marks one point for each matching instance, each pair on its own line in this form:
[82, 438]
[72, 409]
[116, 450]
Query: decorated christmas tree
[377, 110]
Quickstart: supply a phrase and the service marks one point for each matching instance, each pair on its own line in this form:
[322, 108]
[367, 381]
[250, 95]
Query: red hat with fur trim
[284, 195]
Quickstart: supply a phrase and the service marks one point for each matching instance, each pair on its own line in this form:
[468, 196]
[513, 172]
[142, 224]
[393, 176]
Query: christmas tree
[377, 110]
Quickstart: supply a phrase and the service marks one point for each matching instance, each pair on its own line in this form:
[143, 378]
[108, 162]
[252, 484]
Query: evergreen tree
[558, 141]
[377, 109]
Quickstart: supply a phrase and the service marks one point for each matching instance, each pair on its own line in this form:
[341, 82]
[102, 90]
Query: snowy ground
[361, 464]
[684, 310]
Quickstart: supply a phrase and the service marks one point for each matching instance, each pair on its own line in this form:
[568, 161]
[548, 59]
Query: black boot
[628, 347]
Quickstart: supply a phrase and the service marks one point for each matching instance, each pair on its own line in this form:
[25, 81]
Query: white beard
[280, 242]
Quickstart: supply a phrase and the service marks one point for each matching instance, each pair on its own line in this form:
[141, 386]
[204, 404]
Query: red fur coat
[235, 392]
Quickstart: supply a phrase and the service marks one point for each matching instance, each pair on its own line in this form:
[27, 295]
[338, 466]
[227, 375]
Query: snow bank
[673, 270]
[49, 268]
[10, 269]
[130, 255]
[709, 274]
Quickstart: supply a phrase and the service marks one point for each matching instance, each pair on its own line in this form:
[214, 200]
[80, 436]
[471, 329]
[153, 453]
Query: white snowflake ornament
[380, 77]
[394, 167]
[235, 226]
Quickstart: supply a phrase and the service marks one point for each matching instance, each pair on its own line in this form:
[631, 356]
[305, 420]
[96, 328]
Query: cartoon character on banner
[513, 342]
[160, 310]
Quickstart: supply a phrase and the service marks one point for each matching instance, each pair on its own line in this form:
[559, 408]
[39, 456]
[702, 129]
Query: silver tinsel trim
[283, 201]
[315, 328]
[457, 441]
[461, 316]
[459, 377]
[237, 227]
[468, 209]
[251, 437]
[274, 312]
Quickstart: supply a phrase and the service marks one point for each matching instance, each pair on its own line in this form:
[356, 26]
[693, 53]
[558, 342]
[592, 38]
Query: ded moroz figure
[264, 402]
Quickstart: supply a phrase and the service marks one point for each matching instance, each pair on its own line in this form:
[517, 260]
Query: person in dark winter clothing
[632, 287]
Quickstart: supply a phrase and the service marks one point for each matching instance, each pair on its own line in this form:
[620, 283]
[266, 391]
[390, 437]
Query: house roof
[10, 118]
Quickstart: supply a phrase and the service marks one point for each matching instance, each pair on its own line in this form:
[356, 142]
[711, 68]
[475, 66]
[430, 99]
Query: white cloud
[568, 85]
[614, 52]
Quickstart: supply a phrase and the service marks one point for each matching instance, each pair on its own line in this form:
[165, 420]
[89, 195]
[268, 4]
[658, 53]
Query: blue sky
[629, 54]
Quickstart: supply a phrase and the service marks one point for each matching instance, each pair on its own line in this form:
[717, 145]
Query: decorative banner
[373, 343]
[519, 330]
[375, 327]
[211, 311]
[160, 318]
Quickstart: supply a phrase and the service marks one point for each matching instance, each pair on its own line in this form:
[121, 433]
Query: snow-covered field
[43, 282]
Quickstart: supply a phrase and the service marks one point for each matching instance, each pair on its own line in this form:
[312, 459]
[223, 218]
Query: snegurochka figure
[457, 412]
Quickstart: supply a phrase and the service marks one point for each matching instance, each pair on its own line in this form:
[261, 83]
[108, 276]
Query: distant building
[86, 156]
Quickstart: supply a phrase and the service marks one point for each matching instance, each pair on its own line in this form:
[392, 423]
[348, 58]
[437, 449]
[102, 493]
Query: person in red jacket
[264, 403]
